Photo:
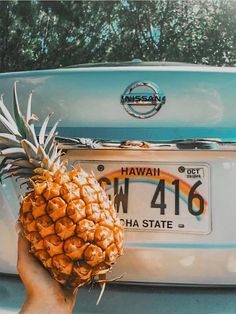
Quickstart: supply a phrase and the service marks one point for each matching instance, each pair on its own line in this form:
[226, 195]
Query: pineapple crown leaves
[21, 149]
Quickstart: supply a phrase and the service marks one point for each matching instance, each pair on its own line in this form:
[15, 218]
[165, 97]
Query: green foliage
[49, 34]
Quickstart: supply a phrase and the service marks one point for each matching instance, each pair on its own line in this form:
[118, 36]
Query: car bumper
[129, 299]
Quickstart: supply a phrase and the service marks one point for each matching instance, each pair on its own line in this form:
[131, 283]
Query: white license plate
[171, 197]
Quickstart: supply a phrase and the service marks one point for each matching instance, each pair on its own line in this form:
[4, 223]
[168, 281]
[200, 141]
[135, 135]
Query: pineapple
[66, 215]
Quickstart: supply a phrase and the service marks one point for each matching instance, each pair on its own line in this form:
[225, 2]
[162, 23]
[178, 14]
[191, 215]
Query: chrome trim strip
[188, 144]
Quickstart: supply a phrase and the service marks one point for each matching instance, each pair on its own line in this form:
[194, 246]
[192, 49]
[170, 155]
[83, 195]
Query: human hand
[43, 293]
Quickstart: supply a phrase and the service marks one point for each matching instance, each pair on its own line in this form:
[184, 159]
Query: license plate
[149, 196]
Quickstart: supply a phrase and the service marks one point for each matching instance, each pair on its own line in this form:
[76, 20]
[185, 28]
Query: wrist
[36, 305]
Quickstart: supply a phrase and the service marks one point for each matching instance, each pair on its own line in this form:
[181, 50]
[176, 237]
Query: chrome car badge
[142, 95]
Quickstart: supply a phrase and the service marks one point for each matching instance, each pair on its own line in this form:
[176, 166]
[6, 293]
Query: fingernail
[18, 227]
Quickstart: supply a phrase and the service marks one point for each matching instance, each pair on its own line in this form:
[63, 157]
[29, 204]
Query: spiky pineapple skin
[72, 226]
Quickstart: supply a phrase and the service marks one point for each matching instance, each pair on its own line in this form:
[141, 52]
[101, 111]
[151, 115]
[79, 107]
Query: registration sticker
[148, 196]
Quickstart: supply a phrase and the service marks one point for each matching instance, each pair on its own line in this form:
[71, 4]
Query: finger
[18, 227]
[24, 256]
[29, 268]
[25, 261]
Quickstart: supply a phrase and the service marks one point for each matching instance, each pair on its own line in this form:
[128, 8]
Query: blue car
[161, 139]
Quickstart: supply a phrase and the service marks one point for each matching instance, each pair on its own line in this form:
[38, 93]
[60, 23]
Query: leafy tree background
[50, 34]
